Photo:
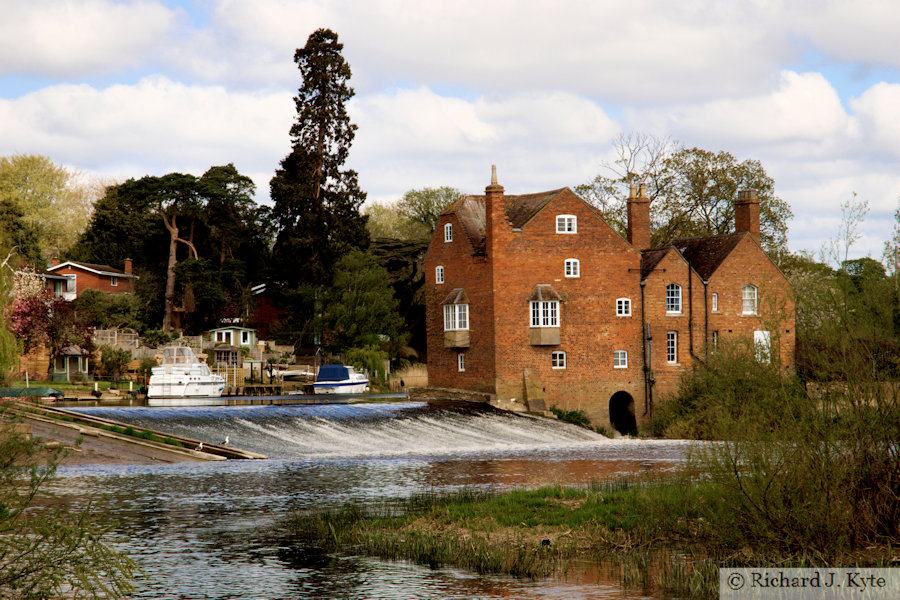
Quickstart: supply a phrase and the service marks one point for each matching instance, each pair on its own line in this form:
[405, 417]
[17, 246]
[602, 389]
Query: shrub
[799, 476]
[576, 417]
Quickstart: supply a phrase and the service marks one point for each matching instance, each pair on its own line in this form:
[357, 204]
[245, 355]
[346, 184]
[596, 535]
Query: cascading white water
[376, 429]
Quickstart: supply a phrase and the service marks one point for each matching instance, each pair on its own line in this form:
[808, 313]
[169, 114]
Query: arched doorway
[621, 413]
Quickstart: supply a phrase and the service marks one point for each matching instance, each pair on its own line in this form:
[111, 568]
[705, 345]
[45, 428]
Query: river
[211, 530]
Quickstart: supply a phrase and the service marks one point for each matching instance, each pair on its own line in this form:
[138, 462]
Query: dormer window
[573, 267]
[448, 232]
[566, 224]
[456, 319]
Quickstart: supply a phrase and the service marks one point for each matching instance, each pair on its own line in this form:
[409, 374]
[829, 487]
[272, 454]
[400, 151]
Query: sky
[541, 88]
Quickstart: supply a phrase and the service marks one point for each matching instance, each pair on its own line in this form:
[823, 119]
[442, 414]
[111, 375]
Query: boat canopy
[333, 373]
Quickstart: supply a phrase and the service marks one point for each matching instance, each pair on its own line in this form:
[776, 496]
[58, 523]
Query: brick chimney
[128, 266]
[494, 210]
[638, 218]
[746, 213]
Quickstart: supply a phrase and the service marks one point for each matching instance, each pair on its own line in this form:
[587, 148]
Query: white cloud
[62, 38]
[153, 127]
[878, 110]
[864, 32]
[416, 138]
[804, 114]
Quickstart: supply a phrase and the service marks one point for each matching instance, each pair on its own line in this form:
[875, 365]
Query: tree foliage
[54, 204]
[211, 223]
[48, 550]
[360, 308]
[415, 215]
[691, 191]
[316, 200]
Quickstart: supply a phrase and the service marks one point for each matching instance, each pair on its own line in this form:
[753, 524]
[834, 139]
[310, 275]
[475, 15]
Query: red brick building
[535, 298]
[87, 276]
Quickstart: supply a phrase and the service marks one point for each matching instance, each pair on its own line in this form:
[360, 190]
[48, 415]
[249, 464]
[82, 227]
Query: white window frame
[623, 307]
[672, 347]
[544, 313]
[573, 268]
[715, 339]
[762, 342]
[566, 224]
[439, 274]
[245, 338]
[448, 232]
[558, 360]
[113, 281]
[673, 299]
[456, 317]
[620, 359]
[461, 362]
[749, 294]
[715, 302]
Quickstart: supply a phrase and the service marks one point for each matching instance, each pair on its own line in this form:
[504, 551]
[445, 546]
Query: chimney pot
[746, 213]
[638, 218]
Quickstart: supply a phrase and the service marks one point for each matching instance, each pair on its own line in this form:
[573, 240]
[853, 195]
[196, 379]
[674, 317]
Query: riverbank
[653, 532]
[89, 439]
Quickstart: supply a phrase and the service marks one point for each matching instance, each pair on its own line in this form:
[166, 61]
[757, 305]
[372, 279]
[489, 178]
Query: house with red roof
[534, 298]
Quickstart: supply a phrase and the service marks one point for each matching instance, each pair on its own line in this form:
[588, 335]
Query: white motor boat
[340, 379]
[182, 376]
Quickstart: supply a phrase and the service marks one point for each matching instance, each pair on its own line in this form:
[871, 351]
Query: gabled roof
[98, 269]
[519, 209]
[703, 254]
[706, 254]
[650, 258]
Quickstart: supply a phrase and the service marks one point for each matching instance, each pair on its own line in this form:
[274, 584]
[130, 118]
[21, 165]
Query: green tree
[113, 362]
[384, 221]
[691, 191]
[360, 308]
[53, 203]
[163, 221]
[48, 550]
[8, 347]
[17, 236]
[425, 205]
[230, 209]
[891, 256]
[316, 201]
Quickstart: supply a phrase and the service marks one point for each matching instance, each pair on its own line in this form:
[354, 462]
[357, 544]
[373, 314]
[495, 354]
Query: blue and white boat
[340, 379]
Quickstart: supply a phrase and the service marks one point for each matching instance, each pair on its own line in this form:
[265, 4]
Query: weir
[367, 429]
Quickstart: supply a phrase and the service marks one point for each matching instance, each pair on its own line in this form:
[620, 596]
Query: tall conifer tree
[316, 201]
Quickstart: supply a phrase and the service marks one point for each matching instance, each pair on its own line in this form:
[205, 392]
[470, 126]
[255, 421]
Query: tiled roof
[520, 209]
[650, 258]
[470, 211]
[705, 254]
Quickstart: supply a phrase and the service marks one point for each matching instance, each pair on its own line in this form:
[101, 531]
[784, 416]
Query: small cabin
[71, 364]
[233, 336]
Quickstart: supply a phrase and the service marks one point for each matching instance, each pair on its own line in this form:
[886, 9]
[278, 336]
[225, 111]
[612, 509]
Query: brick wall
[470, 272]
[589, 330]
[502, 356]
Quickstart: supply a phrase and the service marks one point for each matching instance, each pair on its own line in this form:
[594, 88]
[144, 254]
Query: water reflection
[211, 530]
